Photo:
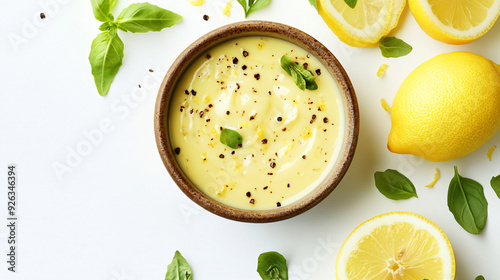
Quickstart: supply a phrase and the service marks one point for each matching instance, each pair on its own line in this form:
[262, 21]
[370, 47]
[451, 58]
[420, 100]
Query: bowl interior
[268, 29]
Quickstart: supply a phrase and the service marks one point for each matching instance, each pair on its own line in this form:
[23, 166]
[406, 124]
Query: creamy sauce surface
[291, 138]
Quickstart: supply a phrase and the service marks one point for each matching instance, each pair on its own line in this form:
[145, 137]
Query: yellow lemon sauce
[291, 138]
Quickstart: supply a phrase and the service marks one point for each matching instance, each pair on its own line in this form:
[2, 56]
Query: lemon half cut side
[396, 245]
[455, 22]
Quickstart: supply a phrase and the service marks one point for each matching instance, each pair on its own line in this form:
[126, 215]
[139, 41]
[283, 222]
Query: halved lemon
[364, 25]
[455, 22]
[396, 245]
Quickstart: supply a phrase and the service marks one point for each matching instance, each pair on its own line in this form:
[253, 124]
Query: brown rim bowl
[269, 29]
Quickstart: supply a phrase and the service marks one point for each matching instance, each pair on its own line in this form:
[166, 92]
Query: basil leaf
[393, 47]
[144, 17]
[467, 203]
[495, 184]
[302, 77]
[101, 9]
[272, 266]
[285, 62]
[253, 5]
[231, 138]
[314, 4]
[106, 55]
[112, 3]
[243, 4]
[259, 4]
[298, 79]
[480, 277]
[179, 269]
[307, 75]
[351, 3]
[394, 185]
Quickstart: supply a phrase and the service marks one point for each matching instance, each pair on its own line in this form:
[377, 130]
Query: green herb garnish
[302, 77]
[351, 3]
[394, 185]
[106, 52]
[179, 269]
[272, 266]
[314, 3]
[393, 47]
[253, 5]
[231, 138]
[480, 277]
[495, 184]
[468, 204]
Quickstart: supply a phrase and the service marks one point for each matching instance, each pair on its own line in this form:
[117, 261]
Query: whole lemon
[447, 107]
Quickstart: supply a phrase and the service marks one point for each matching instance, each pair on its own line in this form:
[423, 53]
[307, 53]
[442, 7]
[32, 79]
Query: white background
[117, 215]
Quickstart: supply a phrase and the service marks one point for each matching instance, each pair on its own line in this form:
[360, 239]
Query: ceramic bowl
[269, 29]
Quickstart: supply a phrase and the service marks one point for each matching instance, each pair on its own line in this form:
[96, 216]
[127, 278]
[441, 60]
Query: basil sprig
[106, 51]
[179, 269]
[272, 266]
[302, 77]
[468, 204]
[231, 138]
[495, 184]
[393, 47]
[253, 5]
[394, 185]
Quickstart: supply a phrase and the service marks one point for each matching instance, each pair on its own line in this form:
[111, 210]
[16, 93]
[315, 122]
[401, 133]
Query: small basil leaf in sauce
[468, 204]
[298, 79]
[495, 184]
[144, 17]
[302, 77]
[179, 269]
[480, 277]
[272, 266]
[394, 185]
[231, 138]
[393, 47]
[351, 3]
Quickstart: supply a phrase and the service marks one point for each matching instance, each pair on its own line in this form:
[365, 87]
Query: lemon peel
[196, 2]
[490, 151]
[385, 105]
[227, 9]
[436, 178]
[381, 70]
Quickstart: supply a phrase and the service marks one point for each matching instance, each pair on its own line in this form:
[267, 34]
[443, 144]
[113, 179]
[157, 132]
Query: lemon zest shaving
[381, 70]
[227, 9]
[490, 151]
[385, 105]
[196, 2]
[436, 178]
